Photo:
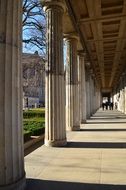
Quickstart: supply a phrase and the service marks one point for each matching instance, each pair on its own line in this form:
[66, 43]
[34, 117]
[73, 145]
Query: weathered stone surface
[82, 92]
[72, 95]
[55, 133]
[12, 175]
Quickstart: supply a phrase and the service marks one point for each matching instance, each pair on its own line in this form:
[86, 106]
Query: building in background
[33, 80]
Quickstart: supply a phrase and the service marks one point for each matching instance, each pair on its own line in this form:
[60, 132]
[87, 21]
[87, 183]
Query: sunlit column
[12, 175]
[82, 87]
[72, 104]
[55, 133]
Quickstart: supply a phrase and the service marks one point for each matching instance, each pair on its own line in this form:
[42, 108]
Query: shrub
[32, 114]
[33, 123]
[38, 131]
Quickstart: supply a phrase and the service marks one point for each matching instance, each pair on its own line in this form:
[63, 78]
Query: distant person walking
[103, 105]
[106, 105]
[111, 105]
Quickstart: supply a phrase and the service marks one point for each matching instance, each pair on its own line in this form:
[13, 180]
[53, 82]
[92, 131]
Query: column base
[19, 185]
[88, 116]
[56, 143]
[74, 128]
[83, 121]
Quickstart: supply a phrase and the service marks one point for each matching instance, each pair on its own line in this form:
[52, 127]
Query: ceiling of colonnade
[101, 25]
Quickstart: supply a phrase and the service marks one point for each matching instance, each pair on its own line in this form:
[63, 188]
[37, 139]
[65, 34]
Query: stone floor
[94, 158]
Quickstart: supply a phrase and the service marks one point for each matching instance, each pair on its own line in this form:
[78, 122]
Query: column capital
[48, 4]
[81, 53]
[71, 36]
[87, 64]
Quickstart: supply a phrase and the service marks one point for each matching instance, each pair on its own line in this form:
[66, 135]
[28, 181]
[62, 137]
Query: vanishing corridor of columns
[12, 175]
[93, 101]
[61, 114]
[66, 107]
[73, 93]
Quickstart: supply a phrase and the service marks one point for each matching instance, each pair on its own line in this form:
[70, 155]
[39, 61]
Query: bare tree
[34, 26]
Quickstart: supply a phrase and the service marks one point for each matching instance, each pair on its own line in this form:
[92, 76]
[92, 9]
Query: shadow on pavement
[36, 184]
[100, 130]
[96, 145]
[104, 122]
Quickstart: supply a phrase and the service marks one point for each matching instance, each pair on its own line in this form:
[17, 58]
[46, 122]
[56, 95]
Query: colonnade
[82, 95]
[60, 113]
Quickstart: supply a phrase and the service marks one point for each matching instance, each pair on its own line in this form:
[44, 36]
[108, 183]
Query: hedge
[33, 130]
[33, 114]
[33, 123]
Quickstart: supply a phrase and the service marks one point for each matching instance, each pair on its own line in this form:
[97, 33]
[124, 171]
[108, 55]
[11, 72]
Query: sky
[29, 30]
[29, 48]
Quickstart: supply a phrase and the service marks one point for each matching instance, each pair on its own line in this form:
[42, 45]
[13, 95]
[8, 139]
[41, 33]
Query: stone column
[82, 87]
[79, 86]
[121, 99]
[96, 96]
[12, 175]
[72, 105]
[55, 133]
[88, 110]
[91, 92]
[93, 95]
[125, 93]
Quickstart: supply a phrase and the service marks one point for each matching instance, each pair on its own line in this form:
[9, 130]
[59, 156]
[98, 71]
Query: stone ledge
[34, 140]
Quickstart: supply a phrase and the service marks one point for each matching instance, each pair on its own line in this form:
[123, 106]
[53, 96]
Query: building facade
[33, 80]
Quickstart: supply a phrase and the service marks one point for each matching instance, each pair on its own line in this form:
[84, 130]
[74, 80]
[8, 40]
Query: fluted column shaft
[94, 98]
[121, 99]
[72, 104]
[79, 87]
[125, 93]
[12, 175]
[91, 94]
[97, 98]
[88, 110]
[82, 88]
[55, 133]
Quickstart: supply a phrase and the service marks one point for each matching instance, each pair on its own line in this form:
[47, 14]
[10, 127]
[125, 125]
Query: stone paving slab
[93, 159]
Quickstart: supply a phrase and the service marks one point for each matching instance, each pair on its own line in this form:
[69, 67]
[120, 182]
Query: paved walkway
[94, 159]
